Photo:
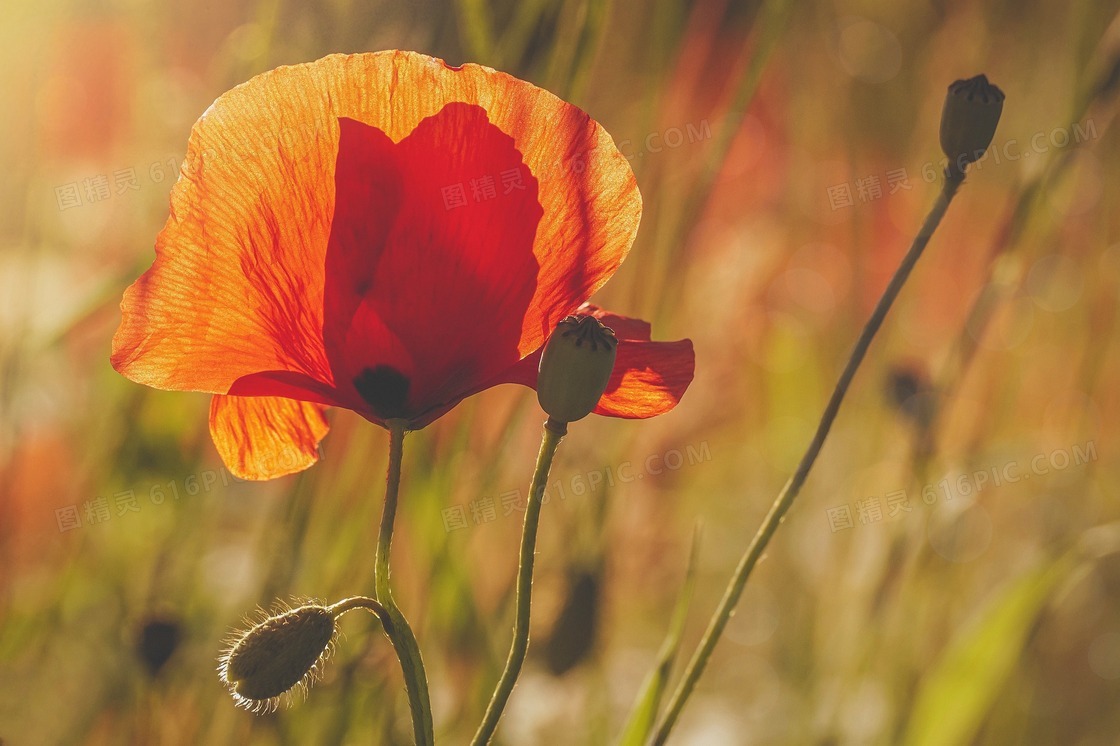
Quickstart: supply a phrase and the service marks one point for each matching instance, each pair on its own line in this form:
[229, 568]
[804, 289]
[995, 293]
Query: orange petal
[237, 285]
[263, 437]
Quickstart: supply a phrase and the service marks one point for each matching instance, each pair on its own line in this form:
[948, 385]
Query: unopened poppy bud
[277, 655]
[968, 122]
[575, 368]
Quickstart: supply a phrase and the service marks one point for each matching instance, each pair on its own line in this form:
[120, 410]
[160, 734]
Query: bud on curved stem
[968, 122]
[792, 488]
[283, 653]
[575, 368]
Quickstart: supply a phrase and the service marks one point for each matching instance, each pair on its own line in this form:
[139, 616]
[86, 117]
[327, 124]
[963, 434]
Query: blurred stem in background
[396, 626]
[789, 493]
[550, 439]
[774, 17]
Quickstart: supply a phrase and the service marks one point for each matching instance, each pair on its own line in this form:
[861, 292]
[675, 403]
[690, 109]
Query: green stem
[785, 499]
[356, 602]
[553, 433]
[396, 626]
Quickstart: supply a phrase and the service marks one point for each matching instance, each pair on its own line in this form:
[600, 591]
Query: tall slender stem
[394, 622]
[553, 433]
[785, 499]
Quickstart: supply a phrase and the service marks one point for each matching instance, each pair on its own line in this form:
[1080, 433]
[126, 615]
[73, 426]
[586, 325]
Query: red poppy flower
[384, 233]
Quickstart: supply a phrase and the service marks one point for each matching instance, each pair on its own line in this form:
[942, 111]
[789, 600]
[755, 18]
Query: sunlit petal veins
[262, 437]
[649, 378]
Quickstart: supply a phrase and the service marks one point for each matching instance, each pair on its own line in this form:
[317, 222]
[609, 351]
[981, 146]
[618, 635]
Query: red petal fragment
[286, 384]
[649, 378]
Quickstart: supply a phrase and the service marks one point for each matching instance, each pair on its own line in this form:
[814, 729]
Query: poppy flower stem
[393, 621]
[554, 432]
[786, 497]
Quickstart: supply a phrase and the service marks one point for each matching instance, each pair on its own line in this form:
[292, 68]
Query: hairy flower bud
[278, 655]
[968, 122]
[575, 368]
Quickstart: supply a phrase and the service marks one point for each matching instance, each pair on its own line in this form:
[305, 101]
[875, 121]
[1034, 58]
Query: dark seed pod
[968, 122]
[575, 368]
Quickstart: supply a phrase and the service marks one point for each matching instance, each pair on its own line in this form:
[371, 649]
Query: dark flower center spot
[385, 389]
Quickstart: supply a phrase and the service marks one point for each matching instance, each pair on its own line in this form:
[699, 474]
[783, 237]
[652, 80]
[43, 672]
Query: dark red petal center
[430, 267]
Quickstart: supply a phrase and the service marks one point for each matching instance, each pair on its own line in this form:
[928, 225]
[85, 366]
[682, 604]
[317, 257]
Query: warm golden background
[785, 153]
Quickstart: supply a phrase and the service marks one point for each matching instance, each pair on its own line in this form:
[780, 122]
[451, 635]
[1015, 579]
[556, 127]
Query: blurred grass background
[785, 153]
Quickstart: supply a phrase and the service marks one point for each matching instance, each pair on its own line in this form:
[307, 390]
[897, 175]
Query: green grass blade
[476, 29]
[959, 691]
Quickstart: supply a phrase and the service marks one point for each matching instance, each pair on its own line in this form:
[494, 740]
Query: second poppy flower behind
[384, 233]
